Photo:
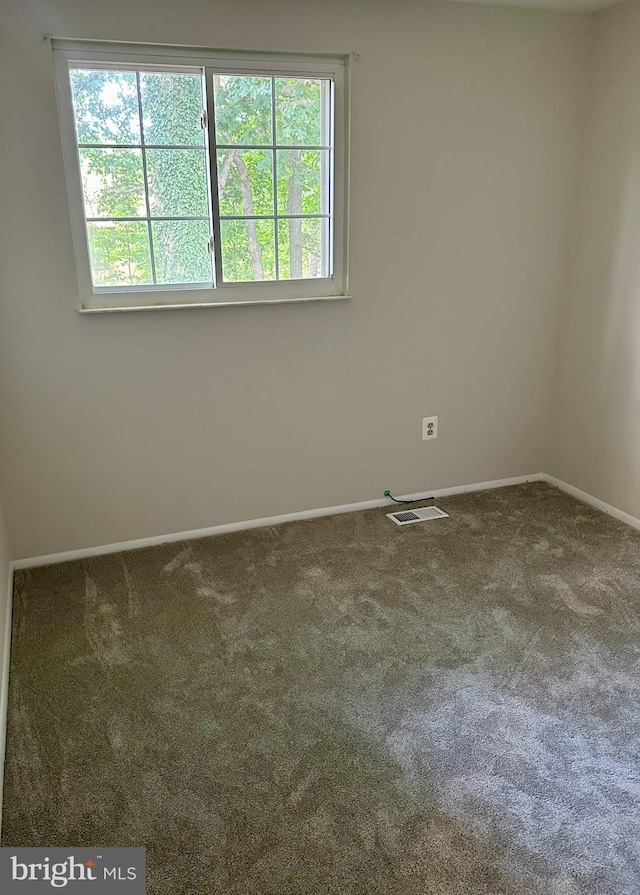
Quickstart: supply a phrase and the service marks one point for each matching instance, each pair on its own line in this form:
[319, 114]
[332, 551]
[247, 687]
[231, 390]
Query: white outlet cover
[429, 428]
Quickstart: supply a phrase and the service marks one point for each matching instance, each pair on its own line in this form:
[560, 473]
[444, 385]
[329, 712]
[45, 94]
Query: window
[199, 177]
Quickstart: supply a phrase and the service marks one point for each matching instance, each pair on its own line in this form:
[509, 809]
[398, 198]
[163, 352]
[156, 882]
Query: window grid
[139, 146]
[265, 146]
[274, 147]
[276, 235]
[267, 217]
[148, 218]
[146, 182]
[313, 177]
[143, 218]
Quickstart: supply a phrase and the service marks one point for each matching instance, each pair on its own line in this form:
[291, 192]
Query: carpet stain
[341, 706]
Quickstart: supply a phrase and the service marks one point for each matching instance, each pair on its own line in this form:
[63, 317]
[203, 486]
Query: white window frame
[93, 299]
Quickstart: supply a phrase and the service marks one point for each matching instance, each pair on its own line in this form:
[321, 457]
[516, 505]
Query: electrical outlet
[429, 428]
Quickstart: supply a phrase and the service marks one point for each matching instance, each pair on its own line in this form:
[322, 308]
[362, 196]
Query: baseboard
[592, 501]
[4, 681]
[35, 561]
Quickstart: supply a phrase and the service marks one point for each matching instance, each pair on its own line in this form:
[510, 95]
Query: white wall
[4, 605]
[596, 414]
[465, 128]
[5, 556]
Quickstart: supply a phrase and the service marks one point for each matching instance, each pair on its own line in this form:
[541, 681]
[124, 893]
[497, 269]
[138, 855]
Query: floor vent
[406, 517]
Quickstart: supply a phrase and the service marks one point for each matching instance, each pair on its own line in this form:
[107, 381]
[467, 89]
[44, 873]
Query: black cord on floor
[415, 500]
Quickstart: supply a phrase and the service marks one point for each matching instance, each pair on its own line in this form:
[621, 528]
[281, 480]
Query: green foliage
[177, 182]
[171, 108]
[243, 109]
[309, 239]
[299, 171]
[106, 108]
[298, 112]
[180, 251]
[237, 263]
[244, 115]
[120, 253]
[259, 164]
[113, 182]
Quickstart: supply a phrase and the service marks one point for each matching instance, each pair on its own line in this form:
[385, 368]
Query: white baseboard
[4, 680]
[592, 501]
[34, 561]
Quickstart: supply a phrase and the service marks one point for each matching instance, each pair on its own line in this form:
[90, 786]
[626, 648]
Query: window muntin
[273, 146]
[144, 167]
[209, 178]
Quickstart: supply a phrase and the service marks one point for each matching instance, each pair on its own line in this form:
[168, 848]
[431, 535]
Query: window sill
[180, 306]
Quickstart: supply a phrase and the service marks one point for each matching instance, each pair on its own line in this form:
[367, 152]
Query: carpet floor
[342, 706]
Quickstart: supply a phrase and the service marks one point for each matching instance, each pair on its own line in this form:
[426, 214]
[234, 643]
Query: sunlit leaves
[120, 253]
[298, 112]
[243, 109]
[245, 181]
[106, 106]
[248, 250]
[300, 248]
[300, 181]
[112, 182]
[244, 115]
[107, 110]
[177, 182]
[180, 251]
[171, 108]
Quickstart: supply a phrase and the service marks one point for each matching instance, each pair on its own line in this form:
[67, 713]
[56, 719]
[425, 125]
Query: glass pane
[248, 251]
[112, 183]
[300, 248]
[171, 108]
[180, 251]
[177, 182]
[243, 109]
[120, 253]
[245, 181]
[301, 173]
[105, 104]
[299, 120]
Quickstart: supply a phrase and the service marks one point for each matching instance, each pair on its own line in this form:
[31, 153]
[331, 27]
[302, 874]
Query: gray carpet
[342, 705]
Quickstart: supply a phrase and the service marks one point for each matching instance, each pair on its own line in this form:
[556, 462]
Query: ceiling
[558, 5]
